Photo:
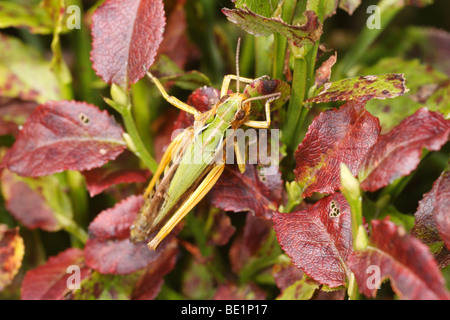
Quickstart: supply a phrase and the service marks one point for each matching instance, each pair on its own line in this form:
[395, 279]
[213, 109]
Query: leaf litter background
[65, 166]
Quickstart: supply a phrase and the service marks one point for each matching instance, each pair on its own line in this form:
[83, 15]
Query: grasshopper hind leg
[187, 205]
[172, 100]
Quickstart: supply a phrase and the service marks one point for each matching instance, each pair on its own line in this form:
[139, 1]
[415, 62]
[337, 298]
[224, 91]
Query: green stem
[280, 42]
[295, 114]
[77, 232]
[78, 197]
[388, 10]
[142, 112]
[86, 74]
[138, 146]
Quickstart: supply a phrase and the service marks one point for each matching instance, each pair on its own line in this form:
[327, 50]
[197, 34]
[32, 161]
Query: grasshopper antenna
[238, 47]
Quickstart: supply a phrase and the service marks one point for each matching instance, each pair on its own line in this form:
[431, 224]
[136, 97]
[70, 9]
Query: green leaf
[190, 80]
[33, 18]
[440, 100]
[24, 73]
[299, 290]
[262, 7]
[418, 76]
[167, 70]
[362, 88]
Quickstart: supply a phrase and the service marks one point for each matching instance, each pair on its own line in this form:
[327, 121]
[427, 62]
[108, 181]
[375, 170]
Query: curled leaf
[323, 73]
[432, 221]
[405, 260]
[100, 179]
[334, 137]
[362, 88]
[259, 25]
[398, 152]
[28, 200]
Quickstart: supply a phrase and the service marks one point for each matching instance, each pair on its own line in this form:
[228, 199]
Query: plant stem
[77, 232]
[142, 112]
[78, 197]
[86, 74]
[295, 114]
[138, 146]
[280, 42]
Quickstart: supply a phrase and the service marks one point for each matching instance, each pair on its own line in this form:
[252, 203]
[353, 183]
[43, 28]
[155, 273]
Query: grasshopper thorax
[233, 109]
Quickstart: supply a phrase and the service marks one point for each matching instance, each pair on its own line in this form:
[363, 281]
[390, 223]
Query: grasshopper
[190, 163]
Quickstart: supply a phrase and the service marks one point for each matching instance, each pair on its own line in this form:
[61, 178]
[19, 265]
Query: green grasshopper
[191, 163]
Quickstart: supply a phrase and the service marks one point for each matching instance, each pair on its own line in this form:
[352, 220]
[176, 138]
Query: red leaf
[285, 273]
[405, 260]
[441, 207]
[109, 250]
[398, 152]
[26, 204]
[248, 191]
[222, 229]
[432, 221]
[11, 254]
[323, 73]
[100, 179]
[49, 281]
[318, 239]
[64, 135]
[334, 137]
[149, 284]
[125, 39]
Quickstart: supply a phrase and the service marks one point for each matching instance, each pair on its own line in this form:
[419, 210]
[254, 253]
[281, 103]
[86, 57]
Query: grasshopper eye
[224, 98]
[240, 115]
